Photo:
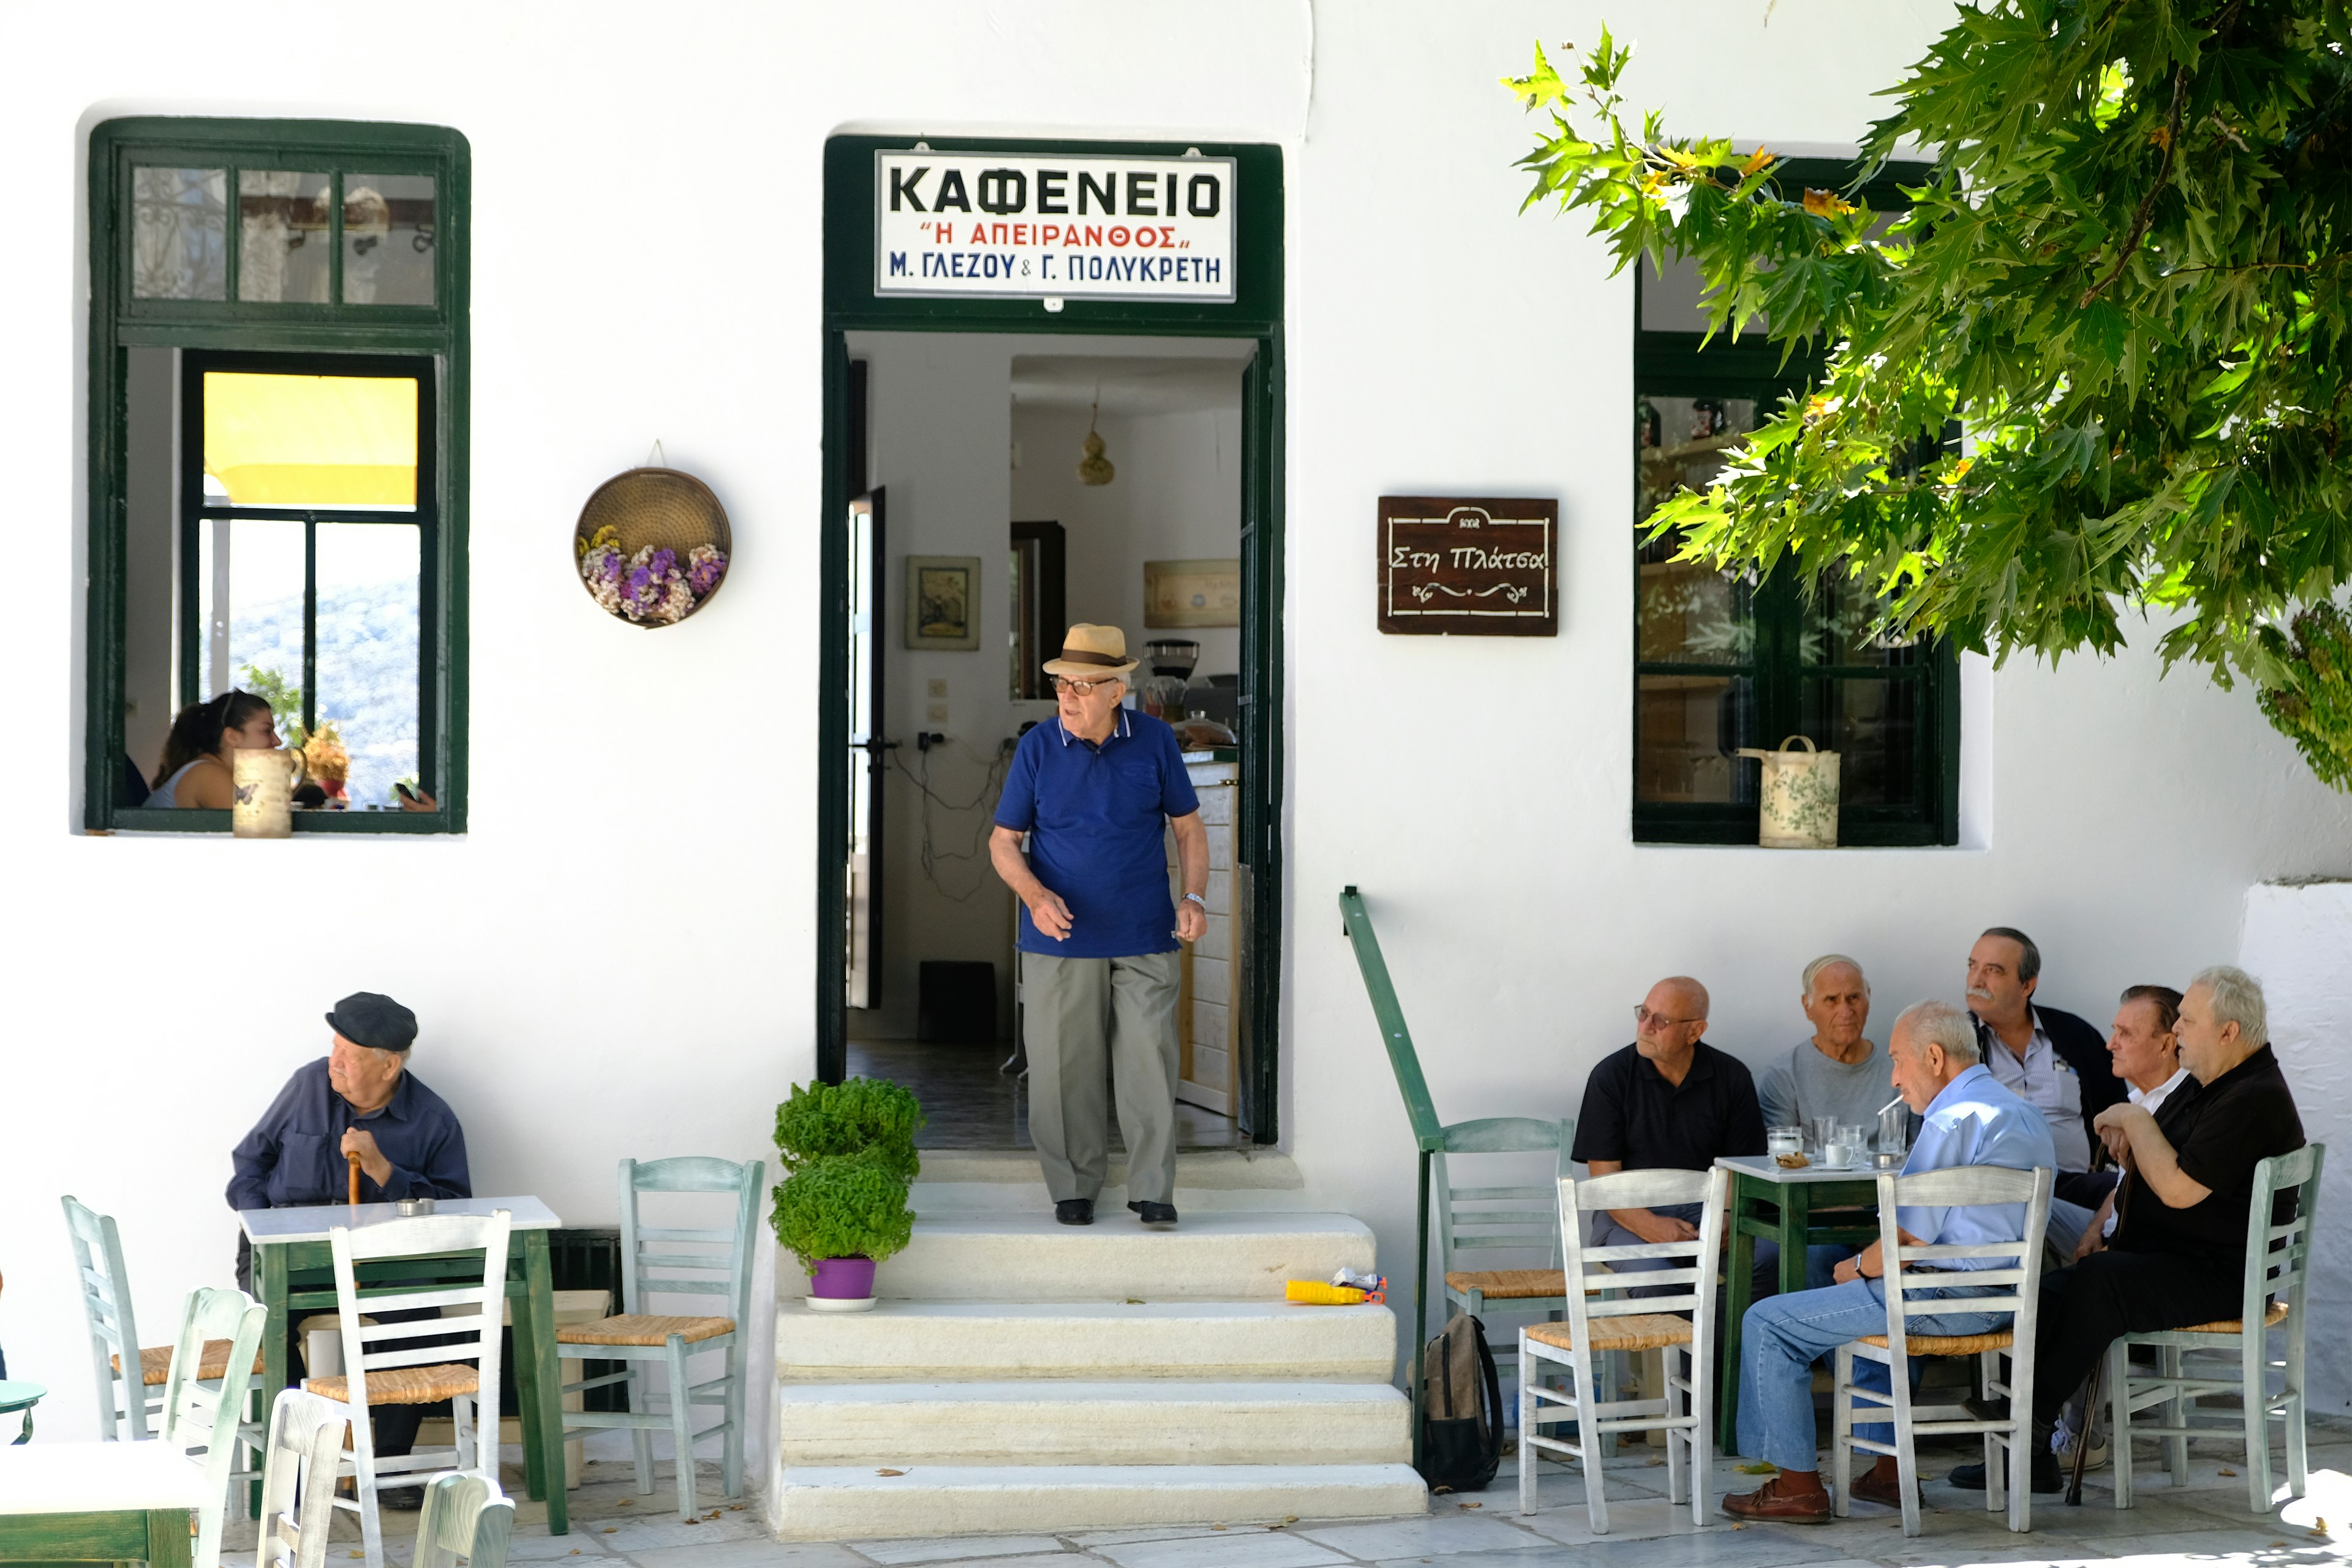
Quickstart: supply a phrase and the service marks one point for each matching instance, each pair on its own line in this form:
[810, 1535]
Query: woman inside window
[196, 770]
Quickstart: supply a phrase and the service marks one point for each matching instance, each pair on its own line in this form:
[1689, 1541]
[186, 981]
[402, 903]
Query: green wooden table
[1773, 1205]
[97, 1502]
[294, 1275]
[20, 1395]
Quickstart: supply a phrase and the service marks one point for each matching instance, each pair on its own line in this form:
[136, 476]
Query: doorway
[972, 414]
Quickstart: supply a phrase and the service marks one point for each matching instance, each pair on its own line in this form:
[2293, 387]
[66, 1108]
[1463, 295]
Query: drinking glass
[1895, 1130]
[1784, 1140]
[1822, 1130]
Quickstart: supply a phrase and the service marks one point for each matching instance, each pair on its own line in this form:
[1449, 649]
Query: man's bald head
[1671, 1018]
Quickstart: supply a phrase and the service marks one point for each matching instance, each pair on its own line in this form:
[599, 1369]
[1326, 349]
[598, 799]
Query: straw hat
[1092, 653]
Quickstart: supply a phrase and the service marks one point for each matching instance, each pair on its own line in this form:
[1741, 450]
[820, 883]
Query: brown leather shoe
[1880, 1487]
[1781, 1504]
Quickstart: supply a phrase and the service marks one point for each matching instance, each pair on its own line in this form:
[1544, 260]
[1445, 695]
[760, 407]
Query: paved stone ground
[2204, 1523]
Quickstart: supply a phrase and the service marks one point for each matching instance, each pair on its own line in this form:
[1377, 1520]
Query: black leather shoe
[1075, 1211]
[400, 1500]
[2045, 1476]
[1156, 1214]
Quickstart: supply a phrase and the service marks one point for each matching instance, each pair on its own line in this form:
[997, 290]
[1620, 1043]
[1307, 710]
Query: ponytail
[201, 728]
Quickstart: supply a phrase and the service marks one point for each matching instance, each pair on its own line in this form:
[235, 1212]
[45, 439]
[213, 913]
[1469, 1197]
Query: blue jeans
[1782, 1338]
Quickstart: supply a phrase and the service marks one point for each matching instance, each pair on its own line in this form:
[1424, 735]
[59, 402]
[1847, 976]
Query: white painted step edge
[846, 1502]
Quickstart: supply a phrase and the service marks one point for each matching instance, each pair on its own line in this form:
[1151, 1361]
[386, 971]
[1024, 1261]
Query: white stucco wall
[617, 959]
[2298, 943]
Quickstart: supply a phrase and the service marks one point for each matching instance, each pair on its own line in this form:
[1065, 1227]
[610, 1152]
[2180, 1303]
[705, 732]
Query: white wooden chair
[392, 1372]
[206, 1416]
[298, 1481]
[641, 1338]
[466, 1518]
[1677, 1321]
[1523, 1221]
[2278, 1276]
[2011, 1283]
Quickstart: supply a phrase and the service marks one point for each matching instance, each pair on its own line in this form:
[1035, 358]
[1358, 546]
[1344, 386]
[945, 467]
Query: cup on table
[1779, 1141]
[1846, 1146]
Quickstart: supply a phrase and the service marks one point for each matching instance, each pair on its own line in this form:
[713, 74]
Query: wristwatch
[1197, 899]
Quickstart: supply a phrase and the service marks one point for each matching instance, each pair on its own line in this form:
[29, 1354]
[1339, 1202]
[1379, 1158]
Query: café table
[294, 1274]
[1773, 1202]
[98, 1502]
[20, 1395]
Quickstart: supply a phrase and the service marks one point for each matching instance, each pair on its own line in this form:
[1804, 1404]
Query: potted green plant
[849, 1153]
[840, 1214]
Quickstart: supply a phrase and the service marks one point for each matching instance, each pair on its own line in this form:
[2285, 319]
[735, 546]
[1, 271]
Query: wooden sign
[1469, 565]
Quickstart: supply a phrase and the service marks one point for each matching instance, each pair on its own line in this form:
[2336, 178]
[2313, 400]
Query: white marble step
[853, 1502]
[1056, 1422]
[981, 1342]
[1027, 1257]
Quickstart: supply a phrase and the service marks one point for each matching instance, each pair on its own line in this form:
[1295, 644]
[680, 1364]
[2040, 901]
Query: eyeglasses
[1078, 688]
[1649, 1020]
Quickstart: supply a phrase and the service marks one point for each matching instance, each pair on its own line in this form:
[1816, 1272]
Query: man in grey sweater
[1837, 1072]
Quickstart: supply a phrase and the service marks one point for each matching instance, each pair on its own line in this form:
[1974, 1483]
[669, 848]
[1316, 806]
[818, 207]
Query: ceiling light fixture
[1093, 469]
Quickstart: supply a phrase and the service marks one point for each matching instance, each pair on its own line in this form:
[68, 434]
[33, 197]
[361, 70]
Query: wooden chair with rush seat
[1522, 1219]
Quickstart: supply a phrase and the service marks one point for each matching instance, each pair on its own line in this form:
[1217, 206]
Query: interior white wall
[617, 959]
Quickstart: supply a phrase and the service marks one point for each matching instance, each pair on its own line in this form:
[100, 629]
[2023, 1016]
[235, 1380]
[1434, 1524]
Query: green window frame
[324, 336]
[1789, 675]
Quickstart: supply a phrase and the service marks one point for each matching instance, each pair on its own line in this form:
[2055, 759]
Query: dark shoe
[1156, 1214]
[400, 1500]
[2045, 1476]
[1872, 1486]
[1772, 1501]
[1984, 1409]
[1075, 1211]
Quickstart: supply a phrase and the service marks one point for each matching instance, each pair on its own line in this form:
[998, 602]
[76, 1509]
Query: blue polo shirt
[1095, 817]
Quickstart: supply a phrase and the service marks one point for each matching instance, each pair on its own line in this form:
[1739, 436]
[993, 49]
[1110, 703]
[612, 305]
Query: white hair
[1934, 1022]
[1828, 960]
[2236, 998]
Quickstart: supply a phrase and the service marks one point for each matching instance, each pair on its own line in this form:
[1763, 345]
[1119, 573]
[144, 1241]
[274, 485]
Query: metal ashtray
[1886, 1161]
[411, 1207]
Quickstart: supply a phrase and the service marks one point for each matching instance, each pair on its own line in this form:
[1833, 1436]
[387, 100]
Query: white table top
[96, 1478]
[312, 1222]
[1763, 1165]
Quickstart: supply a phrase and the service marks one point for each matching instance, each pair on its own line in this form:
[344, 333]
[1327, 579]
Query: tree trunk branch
[2147, 204]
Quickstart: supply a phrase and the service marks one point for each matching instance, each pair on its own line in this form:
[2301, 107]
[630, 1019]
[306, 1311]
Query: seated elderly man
[358, 1099]
[1837, 1072]
[1968, 1119]
[1667, 1102]
[2178, 1255]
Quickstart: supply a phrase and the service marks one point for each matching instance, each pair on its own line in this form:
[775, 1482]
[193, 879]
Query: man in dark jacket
[2053, 1061]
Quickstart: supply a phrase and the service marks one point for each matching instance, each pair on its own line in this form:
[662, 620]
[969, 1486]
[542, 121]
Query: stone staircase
[1024, 1375]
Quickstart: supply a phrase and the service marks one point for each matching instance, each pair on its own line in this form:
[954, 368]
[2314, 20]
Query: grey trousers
[1083, 1016]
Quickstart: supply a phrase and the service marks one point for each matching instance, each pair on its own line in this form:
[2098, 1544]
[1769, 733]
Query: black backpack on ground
[1460, 1409]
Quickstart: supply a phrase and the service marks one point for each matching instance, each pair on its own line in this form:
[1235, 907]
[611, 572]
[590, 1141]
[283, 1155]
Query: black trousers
[2088, 1306]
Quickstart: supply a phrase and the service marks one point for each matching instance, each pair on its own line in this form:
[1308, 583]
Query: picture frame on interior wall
[1191, 594]
[943, 602]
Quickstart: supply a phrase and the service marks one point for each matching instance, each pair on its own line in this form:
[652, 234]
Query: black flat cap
[369, 1018]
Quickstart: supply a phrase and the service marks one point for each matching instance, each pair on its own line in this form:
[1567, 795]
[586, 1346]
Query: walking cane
[2090, 1390]
[354, 1158]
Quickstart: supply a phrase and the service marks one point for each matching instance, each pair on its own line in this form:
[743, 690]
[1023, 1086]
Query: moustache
[1979, 993]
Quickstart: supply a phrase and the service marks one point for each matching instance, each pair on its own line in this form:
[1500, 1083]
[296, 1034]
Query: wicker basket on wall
[663, 507]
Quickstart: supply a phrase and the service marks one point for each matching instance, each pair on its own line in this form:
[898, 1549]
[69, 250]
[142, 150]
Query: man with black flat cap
[358, 1099]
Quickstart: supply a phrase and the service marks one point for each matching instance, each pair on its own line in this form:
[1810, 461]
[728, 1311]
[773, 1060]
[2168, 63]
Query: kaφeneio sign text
[1053, 225]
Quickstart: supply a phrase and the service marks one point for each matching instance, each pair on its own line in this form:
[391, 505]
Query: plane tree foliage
[2123, 275]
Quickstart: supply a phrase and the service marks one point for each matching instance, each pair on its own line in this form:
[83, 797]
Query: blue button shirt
[1975, 1121]
[1096, 817]
[294, 1154]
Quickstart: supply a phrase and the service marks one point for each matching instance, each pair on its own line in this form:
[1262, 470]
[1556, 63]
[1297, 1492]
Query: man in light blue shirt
[1970, 1119]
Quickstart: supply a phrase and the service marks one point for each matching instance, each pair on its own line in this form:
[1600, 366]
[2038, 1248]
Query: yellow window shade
[311, 440]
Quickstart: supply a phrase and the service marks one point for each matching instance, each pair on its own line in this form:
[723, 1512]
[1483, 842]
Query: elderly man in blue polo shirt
[1095, 788]
[1970, 1119]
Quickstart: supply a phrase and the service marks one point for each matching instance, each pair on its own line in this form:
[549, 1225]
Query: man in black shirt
[2178, 1255]
[1667, 1102]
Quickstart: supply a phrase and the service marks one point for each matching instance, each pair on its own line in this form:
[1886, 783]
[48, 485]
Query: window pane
[282, 235]
[1839, 617]
[179, 233]
[1873, 725]
[388, 232]
[1687, 613]
[342, 441]
[1685, 728]
[367, 652]
[249, 572]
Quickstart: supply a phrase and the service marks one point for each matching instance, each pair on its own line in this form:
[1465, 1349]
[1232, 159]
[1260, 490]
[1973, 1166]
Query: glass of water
[1780, 1141]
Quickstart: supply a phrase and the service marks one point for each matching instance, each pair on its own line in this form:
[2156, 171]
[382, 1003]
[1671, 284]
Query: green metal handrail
[1428, 1135]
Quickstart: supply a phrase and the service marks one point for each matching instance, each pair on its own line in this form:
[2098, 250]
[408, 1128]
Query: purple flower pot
[844, 1278]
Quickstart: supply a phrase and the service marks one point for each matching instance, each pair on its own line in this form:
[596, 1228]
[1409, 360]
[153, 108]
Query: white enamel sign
[1053, 225]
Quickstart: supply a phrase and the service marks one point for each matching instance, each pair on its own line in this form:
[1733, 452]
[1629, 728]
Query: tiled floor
[972, 1105]
[2204, 1523]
